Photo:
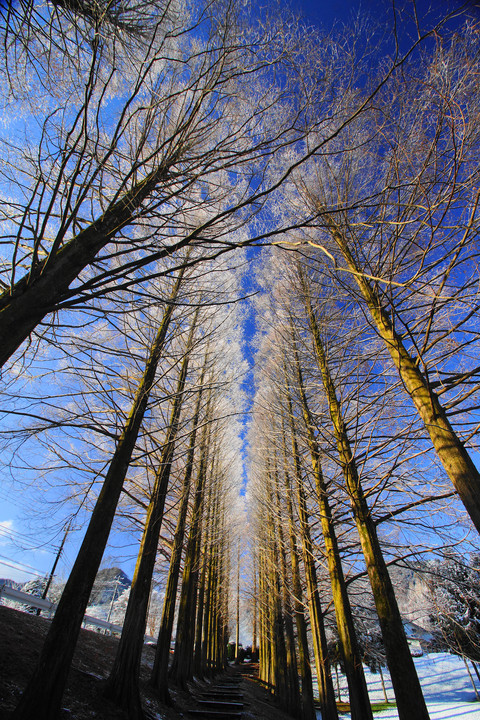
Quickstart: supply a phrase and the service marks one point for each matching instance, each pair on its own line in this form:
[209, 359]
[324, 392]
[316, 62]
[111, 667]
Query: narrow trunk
[451, 451]
[255, 608]
[181, 669]
[205, 560]
[214, 638]
[261, 618]
[279, 649]
[325, 685]
[159, 674]
[383, 683]
[208, 658]
[305, 670]
[266, 652]
[122, 686]
[237, 619]
[222, 593]
[357, 687]
[408, 692]
[197, 668]
[293, 705]
[208, 647]
[23, 306]
[43, 694]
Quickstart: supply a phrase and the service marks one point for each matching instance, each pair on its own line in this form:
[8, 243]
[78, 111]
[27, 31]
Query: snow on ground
[446, 685]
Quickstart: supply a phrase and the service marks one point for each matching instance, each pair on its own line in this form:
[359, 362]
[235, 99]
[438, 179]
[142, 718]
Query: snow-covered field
[446, 686]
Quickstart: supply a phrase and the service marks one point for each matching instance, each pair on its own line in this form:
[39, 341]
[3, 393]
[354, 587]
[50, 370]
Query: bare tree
[160, 668]
[122, 685]
[398, 224]
[153, 152]
[46, 686]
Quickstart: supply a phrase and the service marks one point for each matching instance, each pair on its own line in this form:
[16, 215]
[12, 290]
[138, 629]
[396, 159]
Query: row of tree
[367, 352]
[145, 143]
[332, 469]
[159, 394]
[129, 160]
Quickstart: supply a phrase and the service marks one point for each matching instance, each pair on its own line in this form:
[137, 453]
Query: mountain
[10, 583]
[108, 582]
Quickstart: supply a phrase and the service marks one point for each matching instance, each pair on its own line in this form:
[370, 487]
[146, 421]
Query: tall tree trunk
[23, 306]
[408, 692]
[279, 650]
[237, 618]
[324, 678]
[213, 634]
[222, 593]
[293, 705]
[308, 710]
[451, 451]
[44, 691]
[181, 669]
[159, 675]
[122, 686]
[360, 707]
[205, 559]
[265, 666]
[255, 607]
[207, 653]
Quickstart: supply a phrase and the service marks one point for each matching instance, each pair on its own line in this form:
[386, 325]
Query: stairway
[222, 701]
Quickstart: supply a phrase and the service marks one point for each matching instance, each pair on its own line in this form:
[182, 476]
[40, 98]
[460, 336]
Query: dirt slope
[21, 638]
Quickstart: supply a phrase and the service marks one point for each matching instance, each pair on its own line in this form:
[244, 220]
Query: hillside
[21, 637]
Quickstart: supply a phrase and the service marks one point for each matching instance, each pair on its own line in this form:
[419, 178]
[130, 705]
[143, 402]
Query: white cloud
[6, 528]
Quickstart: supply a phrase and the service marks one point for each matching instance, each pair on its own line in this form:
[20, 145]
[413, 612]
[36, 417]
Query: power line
[26, 541]
[18, 566]
[12, 500]
[19, 562]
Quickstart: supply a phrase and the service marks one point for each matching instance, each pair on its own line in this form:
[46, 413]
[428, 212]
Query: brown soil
[21, 637]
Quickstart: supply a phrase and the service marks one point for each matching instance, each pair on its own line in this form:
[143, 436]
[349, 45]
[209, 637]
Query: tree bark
[408, 692]
[292, 704]
[279, 650]
[451, 452]
[265, 645]
[122, 686]
[207, 650]
[308, 709]
[181, 669]
[159, 675]
[214, 641]
[360, 707]
[43, 694]
[325, 684]
[255, 607]
[205, 559]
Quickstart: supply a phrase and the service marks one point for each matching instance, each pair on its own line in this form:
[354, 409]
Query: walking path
[236, 695]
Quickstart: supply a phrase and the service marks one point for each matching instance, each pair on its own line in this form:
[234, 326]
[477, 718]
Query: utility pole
[54, 566]
[237, 635]
[117, 580]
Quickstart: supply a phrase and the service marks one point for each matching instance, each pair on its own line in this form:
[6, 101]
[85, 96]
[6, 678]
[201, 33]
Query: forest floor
[21, 638]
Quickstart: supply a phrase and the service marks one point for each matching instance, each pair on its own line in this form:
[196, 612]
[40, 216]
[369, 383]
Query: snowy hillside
[446, 686]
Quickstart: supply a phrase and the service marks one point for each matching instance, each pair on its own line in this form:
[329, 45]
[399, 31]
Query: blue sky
[21, 564]
[328, 12]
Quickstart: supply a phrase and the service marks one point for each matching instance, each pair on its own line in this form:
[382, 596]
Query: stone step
[229, 678]
[214, 714]
[221, 705]
[212, 695]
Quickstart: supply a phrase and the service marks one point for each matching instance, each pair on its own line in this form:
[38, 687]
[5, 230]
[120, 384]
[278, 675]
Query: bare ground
[21, 638]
